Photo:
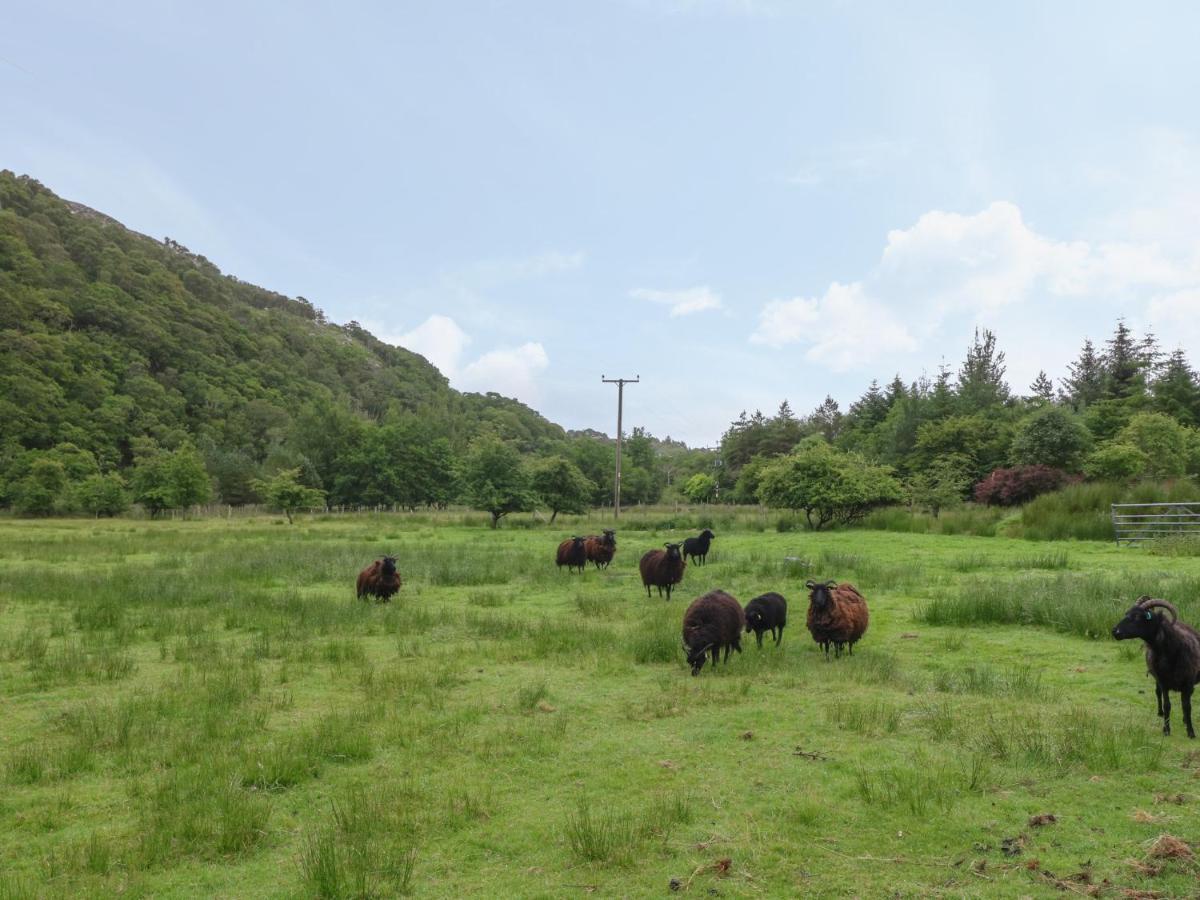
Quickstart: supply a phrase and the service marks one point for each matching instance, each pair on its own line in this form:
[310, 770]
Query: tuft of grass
[1012, 681]
[864, 717]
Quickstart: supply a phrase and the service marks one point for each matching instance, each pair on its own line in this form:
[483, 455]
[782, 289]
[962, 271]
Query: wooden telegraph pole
[620, 383]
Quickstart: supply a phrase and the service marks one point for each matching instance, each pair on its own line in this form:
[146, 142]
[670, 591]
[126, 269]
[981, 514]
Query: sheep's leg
[779, 635]
[1158, 697]
[1166, 703]
[716, 655]
[1185, 700]
[758, 634]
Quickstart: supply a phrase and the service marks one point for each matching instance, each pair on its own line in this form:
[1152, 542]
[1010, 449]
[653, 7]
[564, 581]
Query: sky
[740, 202]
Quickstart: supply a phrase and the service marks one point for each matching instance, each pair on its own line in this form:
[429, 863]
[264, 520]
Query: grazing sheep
[600, 550]
[767, 612]
[1172, 654]
[697, 548]
[379, 579]
[662, 568]
[837, 615]
[712, 623]
[572, 553]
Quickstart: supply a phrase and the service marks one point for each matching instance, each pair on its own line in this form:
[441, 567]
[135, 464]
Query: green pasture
[202, 708]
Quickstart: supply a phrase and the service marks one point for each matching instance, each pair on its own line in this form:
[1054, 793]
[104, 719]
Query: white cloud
[845, 328]
[949, 272]
[683, 302]
[439, 340]
[509, 371]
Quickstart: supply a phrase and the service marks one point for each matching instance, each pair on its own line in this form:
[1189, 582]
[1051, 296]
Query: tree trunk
[496, 518]
[288, 513]
[553, 516]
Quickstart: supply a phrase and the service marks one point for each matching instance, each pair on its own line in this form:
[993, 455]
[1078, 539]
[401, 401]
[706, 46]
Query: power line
[620, 383]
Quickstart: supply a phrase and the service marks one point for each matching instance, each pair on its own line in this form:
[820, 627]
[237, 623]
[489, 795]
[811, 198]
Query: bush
[1050, 437]
[103, 495]
[1116, 462]
[1010, 487]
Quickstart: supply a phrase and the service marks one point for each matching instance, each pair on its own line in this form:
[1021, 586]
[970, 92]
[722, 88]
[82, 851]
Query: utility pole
[620, 383]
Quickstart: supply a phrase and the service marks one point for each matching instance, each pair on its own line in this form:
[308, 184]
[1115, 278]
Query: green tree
[1042, 389]
[284, 491]
[1166, 444]
[40, 492]
[1176, 392]
[102, 495]
[941, 485]
[170, 480]
[1050, 437]
[700, 488]
[827, 485]
[1084, 384]
[494, 480]
[1115, 462]
[560, 486]
[981, 382]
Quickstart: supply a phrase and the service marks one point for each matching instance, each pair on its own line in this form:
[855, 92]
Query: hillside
[117, 343]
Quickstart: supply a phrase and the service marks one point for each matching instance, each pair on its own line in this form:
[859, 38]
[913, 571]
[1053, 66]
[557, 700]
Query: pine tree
[1176, 392]
[981, 379]
[827, 419]
[1084, 383]
[1042, 388]
[941, 398]
[896, 391]
[870, 409]
[1123, 365]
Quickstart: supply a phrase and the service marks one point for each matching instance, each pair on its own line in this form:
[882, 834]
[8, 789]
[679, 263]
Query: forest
[134, 371]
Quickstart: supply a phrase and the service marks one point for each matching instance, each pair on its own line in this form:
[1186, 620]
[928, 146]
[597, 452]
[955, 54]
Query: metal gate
[1136, 522]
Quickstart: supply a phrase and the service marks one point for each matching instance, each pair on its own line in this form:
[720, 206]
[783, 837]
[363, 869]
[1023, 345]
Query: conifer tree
[1084, 383]
[1042, 387]
[981, 379]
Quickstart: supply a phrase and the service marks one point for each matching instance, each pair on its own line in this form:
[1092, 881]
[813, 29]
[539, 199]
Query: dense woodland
[134, 371]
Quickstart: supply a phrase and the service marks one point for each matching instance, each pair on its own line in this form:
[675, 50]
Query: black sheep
[379, 579]
[696, 548]
[712, 623]
[600, 550]
[1172, 654]
[767, 612]
[662, 569]
[572, 553]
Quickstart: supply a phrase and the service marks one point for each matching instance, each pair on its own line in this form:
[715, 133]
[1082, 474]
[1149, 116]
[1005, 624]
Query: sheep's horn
[810, 584]
[1162, 604]
[831, 583]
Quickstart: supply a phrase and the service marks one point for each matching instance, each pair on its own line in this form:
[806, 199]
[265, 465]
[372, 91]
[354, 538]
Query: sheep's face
[707, 534]
[753, 620]
[673, 551]
[610, 537]
[389, 566]
[1138, 623]
[819, 592]
[577, 544]
[697, 656]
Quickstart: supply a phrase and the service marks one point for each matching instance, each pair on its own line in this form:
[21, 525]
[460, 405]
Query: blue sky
[738, 201]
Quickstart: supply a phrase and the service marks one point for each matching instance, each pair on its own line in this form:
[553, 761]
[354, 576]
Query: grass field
[201, 708]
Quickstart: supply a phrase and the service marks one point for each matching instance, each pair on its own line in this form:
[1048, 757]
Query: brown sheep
[600, 550]
[662, 568]
[572, 553]
[379, 579]
[837, 615]
[712, 623]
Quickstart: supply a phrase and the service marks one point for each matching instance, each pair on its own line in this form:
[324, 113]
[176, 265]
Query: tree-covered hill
[117, 347]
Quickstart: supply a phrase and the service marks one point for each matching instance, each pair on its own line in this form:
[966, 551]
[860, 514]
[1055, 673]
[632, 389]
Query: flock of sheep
[837, 614]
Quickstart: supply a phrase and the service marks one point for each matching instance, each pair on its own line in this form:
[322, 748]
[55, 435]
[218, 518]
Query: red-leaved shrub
[1020, 484]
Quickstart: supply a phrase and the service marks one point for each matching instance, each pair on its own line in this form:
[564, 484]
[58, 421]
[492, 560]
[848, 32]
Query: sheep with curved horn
[1172, 654]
